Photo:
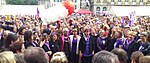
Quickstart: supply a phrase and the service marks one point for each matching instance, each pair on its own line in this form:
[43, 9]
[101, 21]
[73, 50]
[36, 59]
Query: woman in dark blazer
[111, 39]
[46, 45]
[86, 47]
[54, 43]
[102, 41]
[28, 40]
[130, 45]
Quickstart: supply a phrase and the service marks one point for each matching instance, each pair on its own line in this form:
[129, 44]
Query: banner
[132, 18]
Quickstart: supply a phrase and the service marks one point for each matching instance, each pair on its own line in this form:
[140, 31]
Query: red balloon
[70, 6]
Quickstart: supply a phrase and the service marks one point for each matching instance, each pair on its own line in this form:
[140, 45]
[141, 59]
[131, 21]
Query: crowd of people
[74, 39]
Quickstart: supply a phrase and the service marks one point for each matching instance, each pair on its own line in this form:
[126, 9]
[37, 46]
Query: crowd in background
[74, 39]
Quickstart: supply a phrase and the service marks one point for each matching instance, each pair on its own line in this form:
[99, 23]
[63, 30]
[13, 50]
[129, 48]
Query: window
[97, 12]
[133, 0]
[126, 0]
[104, 9]
[112, 0]
[98, 9]
[104, 1]
[98, 1]
[75, 1]
[75, 7]
[56, 0]
[119, 0]
[141, 0]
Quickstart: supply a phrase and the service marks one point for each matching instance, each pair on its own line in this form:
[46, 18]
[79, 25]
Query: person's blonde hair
[7, 57]
[59, 57]
[132, 33]
[145, 59]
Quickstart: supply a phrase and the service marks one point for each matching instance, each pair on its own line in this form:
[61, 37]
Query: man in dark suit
[86, 47]
[144, 44]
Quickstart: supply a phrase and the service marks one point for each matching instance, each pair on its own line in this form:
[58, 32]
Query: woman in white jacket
[74, 40]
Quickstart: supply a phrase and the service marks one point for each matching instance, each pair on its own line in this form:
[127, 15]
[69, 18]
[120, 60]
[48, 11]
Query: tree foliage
[22, 2]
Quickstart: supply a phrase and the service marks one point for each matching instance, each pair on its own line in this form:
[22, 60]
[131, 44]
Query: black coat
[95, 40]
[1, 42]
[46, 48]
[82, 44]
[111, 42]
[54, 46]
[29, 44]
[133, 46]
[146, 50]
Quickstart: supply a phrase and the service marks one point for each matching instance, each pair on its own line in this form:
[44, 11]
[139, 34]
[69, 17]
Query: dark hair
[136, 56]
[19, 58]
[120, 34]
[54, 33]
[45, 35]
[34, 32]
[105, 57]
[51, 37]
[9, 39]
[28, 36]
[20, 31]
[122, 55]
[35, 55]
[17, 46]
[46, 31]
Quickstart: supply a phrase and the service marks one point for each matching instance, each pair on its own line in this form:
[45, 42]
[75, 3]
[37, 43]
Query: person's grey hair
[35, 55]
[105, 57]
[19, 58]
[59, 57]
[122, 54]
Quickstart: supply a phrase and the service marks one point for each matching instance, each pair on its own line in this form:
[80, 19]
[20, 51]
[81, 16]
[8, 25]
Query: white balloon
[55, 13]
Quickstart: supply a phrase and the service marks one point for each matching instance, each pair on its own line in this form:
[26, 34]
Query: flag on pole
[134, 17]
[38, 12]
[130, 21]
[131, 18]
[122, 21]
